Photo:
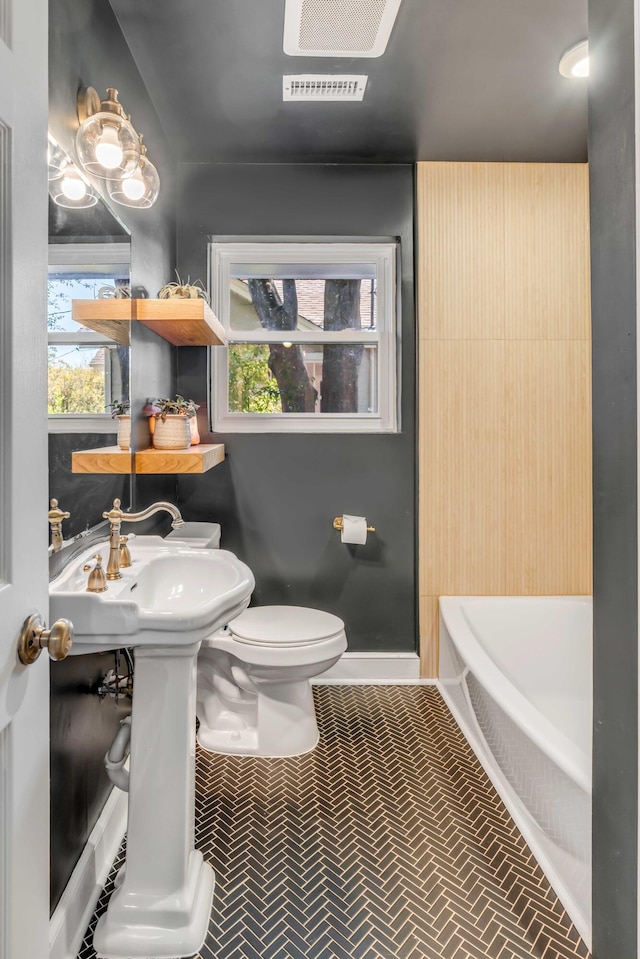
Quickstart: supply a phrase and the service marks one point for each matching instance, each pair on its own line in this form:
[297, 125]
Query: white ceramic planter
[124, 431]
[172, 432]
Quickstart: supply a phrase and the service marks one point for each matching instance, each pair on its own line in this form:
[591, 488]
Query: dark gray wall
[86, 47]
[276, 494]
[611, 156]
[84, 496]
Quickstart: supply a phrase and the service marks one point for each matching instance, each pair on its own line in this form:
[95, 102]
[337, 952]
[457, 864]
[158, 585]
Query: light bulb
[73, 187]
[108, 149]
[581, 68]
[134, 187]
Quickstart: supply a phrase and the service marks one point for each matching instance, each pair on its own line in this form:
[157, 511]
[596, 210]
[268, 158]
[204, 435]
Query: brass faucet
[116, 517]
[55, 522]
[97, 582]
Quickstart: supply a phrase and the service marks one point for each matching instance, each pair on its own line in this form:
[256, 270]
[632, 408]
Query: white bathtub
[516, 673]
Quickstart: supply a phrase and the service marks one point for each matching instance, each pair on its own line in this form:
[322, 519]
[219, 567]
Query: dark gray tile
[386, 842]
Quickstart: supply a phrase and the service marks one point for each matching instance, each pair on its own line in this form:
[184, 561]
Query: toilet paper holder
[338, 524]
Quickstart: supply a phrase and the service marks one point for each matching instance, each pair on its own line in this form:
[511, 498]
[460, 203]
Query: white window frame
[76, 258]
[226, 258]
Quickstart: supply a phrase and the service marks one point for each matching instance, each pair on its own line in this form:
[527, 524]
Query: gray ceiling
[460, 80]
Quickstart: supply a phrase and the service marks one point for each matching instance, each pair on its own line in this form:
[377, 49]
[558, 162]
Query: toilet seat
[284, 627]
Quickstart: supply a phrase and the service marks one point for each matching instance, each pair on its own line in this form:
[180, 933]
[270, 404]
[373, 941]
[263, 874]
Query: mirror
[89, 258]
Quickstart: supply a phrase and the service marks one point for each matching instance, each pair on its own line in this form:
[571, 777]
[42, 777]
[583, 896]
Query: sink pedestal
[162, 906]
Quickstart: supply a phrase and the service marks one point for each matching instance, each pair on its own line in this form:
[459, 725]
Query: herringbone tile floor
[386, 841]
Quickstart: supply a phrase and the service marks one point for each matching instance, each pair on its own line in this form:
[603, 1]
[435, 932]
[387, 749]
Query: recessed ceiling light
[574, 64]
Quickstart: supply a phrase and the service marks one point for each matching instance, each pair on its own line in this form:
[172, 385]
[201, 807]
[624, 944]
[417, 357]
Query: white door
[24, 690]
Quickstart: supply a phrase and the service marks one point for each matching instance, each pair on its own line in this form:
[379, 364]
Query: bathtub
[516, 674]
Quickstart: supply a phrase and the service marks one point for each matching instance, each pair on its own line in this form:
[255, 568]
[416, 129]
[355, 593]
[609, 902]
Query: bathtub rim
[547, 737]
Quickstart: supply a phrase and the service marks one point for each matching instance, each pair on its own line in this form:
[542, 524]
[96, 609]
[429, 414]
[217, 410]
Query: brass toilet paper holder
[338, 524]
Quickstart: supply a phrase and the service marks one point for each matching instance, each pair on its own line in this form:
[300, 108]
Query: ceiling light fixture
[106, 143]
[71, 190]
[139, 190]
[574, 64]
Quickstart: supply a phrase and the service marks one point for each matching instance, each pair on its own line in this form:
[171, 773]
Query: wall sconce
[106, 143]
[71, 190]
[139, 190]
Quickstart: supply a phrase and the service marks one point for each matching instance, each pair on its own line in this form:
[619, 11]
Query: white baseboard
[69, 922]
[374, 668]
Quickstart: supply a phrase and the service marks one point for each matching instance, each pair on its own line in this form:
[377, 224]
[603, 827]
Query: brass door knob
[34, 637]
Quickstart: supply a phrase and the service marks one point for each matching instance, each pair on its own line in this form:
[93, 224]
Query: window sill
[82, 423]
[302, 423]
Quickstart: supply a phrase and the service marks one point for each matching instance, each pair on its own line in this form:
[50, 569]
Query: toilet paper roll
[354, 530]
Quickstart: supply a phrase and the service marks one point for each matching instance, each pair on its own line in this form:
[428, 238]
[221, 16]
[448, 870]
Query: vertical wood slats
[504, 373]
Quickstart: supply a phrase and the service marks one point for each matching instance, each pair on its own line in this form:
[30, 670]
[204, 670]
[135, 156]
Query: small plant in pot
[172, 429]
[121, 412]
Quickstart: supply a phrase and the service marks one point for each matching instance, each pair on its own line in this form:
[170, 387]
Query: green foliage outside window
[252, 388]
[75, 389]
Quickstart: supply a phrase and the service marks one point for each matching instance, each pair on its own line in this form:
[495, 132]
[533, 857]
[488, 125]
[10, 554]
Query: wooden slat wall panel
[462, 467]
[504, 374]
[429, 624]
[548, 455]
[546, 251]
[461, 236]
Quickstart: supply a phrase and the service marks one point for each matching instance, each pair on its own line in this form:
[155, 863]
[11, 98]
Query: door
[24, 690]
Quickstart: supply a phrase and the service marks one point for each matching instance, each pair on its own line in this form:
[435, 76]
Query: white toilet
[254, 695]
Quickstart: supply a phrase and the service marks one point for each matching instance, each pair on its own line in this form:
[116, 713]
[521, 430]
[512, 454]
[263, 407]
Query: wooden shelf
[111, 459]
[180, 322]
[197, 459]
[105, 459]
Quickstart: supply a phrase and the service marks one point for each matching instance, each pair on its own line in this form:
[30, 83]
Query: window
[311, 331]
[87, 371]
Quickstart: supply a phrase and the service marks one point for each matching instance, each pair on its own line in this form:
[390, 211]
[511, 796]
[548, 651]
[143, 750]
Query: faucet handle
[125, 555]
[97, 580]
[56, 515]
[115, 514]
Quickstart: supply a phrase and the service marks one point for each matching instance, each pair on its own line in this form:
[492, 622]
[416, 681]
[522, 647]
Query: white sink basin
[171, 595]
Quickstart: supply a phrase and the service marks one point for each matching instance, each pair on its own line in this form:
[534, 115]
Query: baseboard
[373, 668]
[69, 922]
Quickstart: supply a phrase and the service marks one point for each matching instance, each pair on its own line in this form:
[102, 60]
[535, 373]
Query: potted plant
[120, 412]
[172, 428]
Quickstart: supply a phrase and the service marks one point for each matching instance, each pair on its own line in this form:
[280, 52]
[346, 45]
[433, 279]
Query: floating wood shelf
[197, 459]
[111, 459]
[105, 459]
[180, 322]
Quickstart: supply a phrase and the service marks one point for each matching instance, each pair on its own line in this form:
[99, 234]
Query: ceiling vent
[312, 86]
[338, 28]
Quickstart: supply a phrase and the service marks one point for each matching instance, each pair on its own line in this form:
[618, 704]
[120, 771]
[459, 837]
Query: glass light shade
[71, 191]
[107, 146]
[56, 160]
[139, 190]
[574, 64]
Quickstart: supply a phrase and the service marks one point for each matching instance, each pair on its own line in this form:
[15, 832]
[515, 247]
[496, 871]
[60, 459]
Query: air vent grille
[310, 86]
[338, 28]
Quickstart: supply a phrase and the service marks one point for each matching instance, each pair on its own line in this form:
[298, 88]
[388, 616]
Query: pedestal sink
[166, 602]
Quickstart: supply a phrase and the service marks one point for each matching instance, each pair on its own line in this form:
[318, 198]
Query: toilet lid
[284, 626]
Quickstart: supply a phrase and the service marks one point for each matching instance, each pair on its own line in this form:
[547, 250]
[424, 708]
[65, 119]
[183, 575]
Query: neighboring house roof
[310, 305]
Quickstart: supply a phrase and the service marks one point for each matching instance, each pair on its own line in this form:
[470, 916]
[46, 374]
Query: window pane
[64, 287]
[87, 379]
[340, 378]
[315, 305]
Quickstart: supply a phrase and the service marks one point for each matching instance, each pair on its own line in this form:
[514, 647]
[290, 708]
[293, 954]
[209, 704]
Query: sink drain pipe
[117, 756]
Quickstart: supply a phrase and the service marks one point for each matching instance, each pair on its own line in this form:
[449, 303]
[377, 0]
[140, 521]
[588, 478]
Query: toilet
[254, 696]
